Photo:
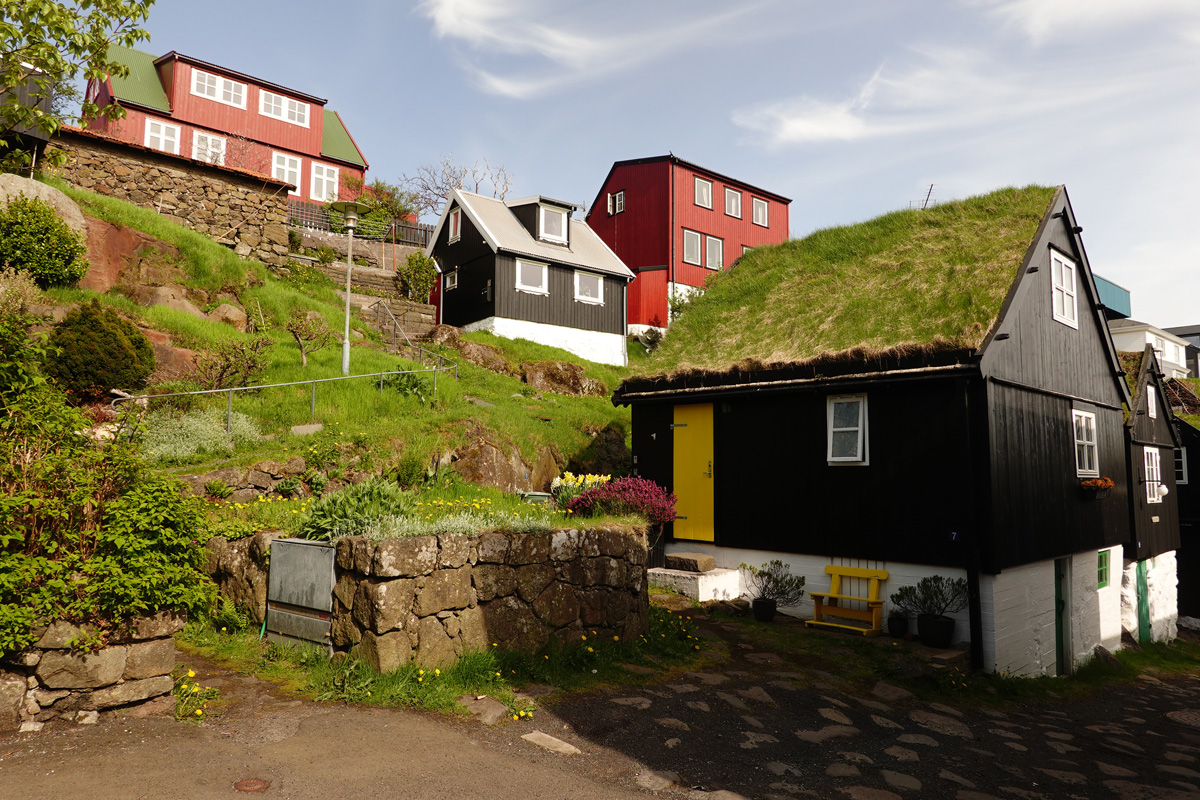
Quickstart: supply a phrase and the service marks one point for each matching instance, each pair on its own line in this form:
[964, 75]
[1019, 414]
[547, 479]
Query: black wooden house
[940, 392]
[525, 269]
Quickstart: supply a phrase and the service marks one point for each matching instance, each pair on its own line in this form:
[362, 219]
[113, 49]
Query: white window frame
[1151, 402]
[703, 191]
[1064, 293]
[205, 154]
[287, 108]
[451, 280]
[598, 300]
[1152, 462]
[699, 242]
[1181, 466]
[543, 288]
[746, 249]
[616, 202]
[760, 204]
[566, 221]
[220, 86]
[708, 253]
[323, 182]
[861, 459]
[1088, 418]
[162, 136]
[736, 197]
[455, 221]
[280, 166]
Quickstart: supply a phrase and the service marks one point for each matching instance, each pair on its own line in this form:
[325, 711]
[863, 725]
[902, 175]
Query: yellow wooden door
[693, 447]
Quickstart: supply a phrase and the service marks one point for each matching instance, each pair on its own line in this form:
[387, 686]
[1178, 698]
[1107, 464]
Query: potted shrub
[897, 622]
[931, 600]
[770, 586]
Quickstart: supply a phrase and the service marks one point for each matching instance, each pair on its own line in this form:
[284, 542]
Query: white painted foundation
[716, 584]
[603, 348]
[1162, 582]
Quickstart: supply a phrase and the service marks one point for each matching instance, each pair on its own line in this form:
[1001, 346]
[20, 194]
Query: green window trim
[1102, 561]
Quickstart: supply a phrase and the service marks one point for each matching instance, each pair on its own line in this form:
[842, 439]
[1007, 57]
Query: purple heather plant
[626, 496]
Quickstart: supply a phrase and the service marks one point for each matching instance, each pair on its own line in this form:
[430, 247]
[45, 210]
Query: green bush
[98, 351]
[418, 276]
[34, 240]
[289, 486]
[350, 511]
[218, 489]
[87, 535]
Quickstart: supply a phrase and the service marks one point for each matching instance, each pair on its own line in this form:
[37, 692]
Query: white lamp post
[349, 209]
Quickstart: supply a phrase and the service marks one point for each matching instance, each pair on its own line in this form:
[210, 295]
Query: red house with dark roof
[675, 223]
[194, 109]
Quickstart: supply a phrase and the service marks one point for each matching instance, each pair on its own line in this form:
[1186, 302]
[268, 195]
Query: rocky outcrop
[487, 462]
[51, 680]
[12, 186]
[230, 315]
[561, 377]
[125, 257]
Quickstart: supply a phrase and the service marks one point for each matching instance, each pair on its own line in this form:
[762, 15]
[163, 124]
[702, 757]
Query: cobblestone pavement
[756, 728]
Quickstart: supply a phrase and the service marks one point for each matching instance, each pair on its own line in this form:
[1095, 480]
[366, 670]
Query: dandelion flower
[437, 672]
[195, 688]
[616, 638]
[584, 638]
[590, 650]
[191, 674]
[199, 712]
[514, 716]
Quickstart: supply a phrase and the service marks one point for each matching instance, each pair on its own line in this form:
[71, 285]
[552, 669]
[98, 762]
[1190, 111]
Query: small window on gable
[847, 429]
[760, 212]
[162, 136]
[589, 288]
[691, 247]
[532, 277]
[616, 202]
[1102, 562]
[703, 193]
[284, 108]
[1064, 298]
[1181, 466]
[553, 224]
[1153, 466]
[733, 202]
[206, 147]
[455, 225]
[286, 168]
[714, 253]
[451, 280]
[1151, 402]
[1087, 462]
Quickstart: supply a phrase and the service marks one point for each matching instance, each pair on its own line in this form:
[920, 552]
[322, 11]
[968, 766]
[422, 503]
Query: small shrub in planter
[772, 585]
[931, 600]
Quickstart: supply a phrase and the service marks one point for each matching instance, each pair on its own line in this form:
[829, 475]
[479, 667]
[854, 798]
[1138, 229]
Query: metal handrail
[313, 382]
[381, 307]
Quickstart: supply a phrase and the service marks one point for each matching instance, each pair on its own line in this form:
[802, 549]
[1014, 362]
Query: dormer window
[284, 108]
[552, 224]
[1063, 292]
[455, 225]
[221, 89]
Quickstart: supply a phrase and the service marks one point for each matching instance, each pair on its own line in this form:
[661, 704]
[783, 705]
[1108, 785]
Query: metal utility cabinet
[300, 593]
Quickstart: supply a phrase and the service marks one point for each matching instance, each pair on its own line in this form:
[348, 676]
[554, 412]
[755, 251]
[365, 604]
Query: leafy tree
[418, 276]
[95, 351]
[234, 363]
[34, 240]
[310, 330]
[432, 183]
[45, 46]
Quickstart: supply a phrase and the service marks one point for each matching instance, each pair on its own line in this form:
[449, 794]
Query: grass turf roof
[908, 281]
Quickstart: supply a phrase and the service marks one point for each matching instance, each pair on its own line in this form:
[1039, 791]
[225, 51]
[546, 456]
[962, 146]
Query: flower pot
[935, 630]
[764, 610]
[897, 627]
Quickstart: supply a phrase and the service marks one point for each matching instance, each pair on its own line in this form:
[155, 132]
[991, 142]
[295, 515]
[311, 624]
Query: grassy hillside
[388, 421]
[925, 279]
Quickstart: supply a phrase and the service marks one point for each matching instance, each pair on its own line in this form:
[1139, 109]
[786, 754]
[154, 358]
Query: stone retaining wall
[248, 212]
[52, 681]
[429, 598]
[382, 255]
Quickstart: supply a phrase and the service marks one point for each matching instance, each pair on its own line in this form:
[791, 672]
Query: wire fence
[306, 214]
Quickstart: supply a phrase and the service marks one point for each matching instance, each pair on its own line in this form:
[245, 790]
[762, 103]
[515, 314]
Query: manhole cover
[1187, 716]
[252, 785]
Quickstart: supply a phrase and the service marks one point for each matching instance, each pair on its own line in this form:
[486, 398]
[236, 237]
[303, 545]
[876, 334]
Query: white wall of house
[604, 348]
[1018, 620]
[1172, 356]
[815, 578]
[1162, 582]
[1095, 612]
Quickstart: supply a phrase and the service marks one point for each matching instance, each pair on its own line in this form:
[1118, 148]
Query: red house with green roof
[193, 109]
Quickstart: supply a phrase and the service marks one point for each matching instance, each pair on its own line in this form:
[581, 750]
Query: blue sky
[852, 109]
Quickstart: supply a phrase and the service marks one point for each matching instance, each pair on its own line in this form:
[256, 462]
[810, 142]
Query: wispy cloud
[1044, 20]
[528, 48]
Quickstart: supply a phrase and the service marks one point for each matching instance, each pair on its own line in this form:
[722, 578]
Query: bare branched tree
[431, 184]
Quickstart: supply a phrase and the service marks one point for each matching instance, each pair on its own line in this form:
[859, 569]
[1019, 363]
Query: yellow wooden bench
[826, 603]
